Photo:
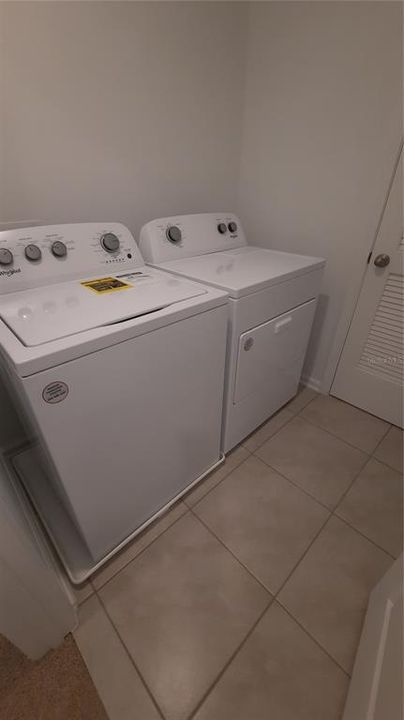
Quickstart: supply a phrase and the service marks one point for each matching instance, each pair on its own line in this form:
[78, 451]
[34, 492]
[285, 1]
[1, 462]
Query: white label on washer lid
[55, 392]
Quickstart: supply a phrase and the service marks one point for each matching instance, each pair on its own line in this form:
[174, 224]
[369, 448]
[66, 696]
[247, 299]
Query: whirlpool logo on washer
[55, 392]
[9, 273]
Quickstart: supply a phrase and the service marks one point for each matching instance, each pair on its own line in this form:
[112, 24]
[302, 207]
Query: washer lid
[243, 270]
[49, 313]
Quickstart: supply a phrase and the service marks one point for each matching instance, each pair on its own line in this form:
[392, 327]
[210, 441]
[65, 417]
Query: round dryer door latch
[248, 344]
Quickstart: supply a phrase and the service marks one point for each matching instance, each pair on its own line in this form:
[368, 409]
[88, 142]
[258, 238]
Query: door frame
[362, 694]
[353, 297]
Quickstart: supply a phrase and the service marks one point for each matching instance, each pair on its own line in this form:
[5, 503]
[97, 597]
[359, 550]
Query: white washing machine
[273, 297]
[119, 371]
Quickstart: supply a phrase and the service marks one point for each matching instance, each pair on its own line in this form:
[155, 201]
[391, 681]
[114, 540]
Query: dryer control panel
[181, 236]
[37, 256]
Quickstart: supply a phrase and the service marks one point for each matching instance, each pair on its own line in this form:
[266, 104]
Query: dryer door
[273, 353]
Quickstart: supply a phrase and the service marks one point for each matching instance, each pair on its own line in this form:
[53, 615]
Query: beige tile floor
[246, 600]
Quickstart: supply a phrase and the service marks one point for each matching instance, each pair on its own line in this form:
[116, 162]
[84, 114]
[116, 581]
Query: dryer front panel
[272, 354]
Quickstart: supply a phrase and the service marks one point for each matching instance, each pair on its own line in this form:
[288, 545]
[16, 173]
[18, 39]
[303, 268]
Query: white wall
[121, 111]
[322, 126]
[287, 112]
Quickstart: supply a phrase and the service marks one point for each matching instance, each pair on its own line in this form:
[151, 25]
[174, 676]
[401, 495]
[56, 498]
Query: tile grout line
[316, 642]
[386, 465]
[271, 417]
[318, 533]
[220, 481]
[298, 414]
[252, 452]
[382, 461]
[269, 436]
[250, 573]
[229, 661]
[333, 511]
[277, 599]
[345, 493]
[102, 586]
[131, 659]
[379, 547]
[329, 432]
[275, 595]
[381, 439]
[299, 487]
[189, 509]
[316, 396]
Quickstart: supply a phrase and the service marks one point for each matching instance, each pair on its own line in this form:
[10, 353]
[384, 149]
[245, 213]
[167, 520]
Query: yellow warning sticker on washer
[105, 284]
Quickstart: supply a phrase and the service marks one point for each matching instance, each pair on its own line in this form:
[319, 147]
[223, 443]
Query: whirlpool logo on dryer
[9, 273]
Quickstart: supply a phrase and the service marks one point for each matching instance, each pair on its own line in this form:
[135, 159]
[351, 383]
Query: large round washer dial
[33, 252]
[6, 256]
[110, 242]
[59, 249]
[174, 234]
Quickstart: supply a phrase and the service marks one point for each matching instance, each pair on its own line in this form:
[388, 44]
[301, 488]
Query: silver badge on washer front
[55, 392]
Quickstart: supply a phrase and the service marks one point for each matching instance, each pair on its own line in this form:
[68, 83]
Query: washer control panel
[36, 256]
[183, 236]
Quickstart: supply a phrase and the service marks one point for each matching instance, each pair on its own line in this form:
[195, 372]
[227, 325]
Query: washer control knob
[6, 256]
[222, 228]
[174, 234]
[33, 252]
[232, 227]
[59, 249]
[110, 242]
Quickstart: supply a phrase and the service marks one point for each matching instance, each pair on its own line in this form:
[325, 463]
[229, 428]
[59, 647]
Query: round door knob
[382, 260]
[6, 256]
[59, 249]
[174, 234]
[222, 228]
[110, 242]
[232, 227]
[33, 252]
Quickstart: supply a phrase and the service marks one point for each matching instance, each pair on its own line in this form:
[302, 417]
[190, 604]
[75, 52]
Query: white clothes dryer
[272, 302]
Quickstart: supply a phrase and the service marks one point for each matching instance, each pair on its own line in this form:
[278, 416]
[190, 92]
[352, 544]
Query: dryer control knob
[232, 226]
[222, 228]
[6, 256]
[174, 234]
[33, 252]
[59, 249]
[110, 242]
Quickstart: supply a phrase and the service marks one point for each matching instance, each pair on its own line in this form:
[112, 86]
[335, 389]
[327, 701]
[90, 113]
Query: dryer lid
[49, 313]
[243, 270]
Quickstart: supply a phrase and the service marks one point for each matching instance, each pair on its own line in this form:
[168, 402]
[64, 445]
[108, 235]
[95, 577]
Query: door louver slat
[383, 352]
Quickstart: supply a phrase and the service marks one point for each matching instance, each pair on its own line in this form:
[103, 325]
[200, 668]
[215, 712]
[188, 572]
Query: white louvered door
[370, 370]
